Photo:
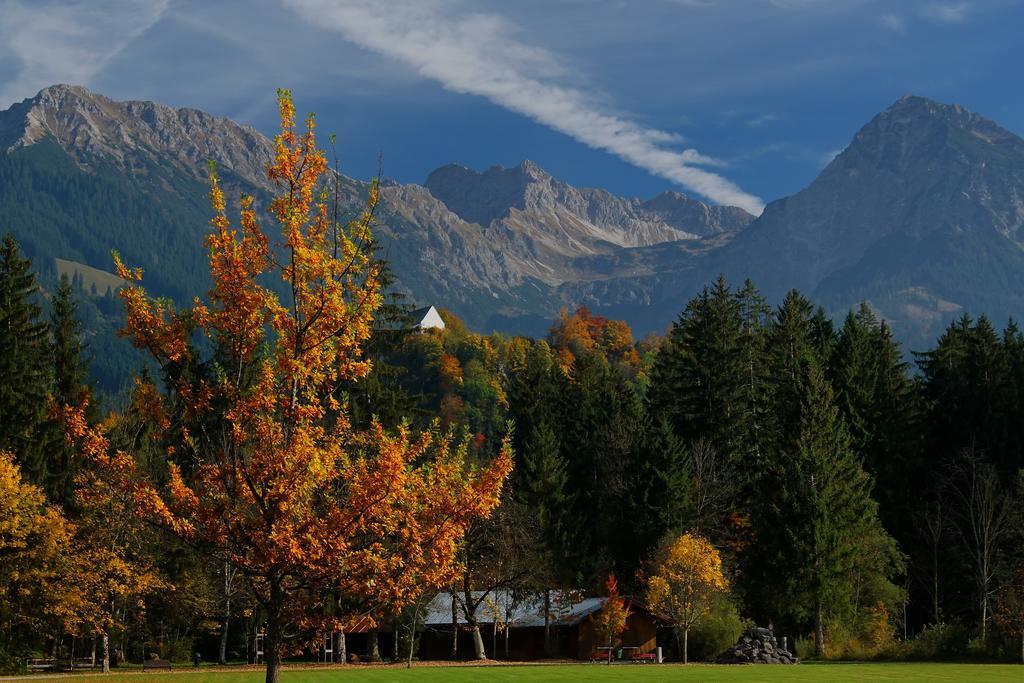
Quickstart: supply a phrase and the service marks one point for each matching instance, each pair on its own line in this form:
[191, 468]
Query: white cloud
[894, 23]
[829, 156]
[68, 42]
[955, 13]
[762, 120]
[477, 53]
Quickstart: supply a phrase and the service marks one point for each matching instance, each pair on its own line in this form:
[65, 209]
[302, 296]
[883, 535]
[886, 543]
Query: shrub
[803, 648]
[717, 630]
[940, 641]
[871, 637]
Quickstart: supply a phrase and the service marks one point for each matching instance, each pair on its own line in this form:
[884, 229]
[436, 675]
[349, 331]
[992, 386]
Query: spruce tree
[755, 314]
[968, 384]
[790, 345]
[879, 404]
[536, 390]
[603, 424]
[544, 477]
[383, 393]
[708, 378]
[24, 367]
[819, 526]
[70, 377]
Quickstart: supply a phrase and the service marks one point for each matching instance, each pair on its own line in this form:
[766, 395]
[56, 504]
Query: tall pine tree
[24, 366]
[822, 550]
[877, 399]
[70, 386]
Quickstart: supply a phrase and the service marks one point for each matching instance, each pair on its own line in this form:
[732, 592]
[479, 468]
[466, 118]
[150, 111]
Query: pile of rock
[757, 646]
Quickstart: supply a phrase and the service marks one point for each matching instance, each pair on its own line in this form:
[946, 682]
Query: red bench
[644, 657]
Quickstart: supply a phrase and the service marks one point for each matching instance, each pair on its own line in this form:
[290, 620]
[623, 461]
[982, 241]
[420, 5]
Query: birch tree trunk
[819, 629]
[455, 626]
[478, 642]
[547, 622]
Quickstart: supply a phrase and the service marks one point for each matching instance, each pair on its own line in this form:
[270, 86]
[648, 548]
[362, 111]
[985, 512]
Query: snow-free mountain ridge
[920, 215]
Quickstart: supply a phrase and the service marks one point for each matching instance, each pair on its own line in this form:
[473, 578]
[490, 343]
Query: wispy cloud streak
[953, 13]
[67, 42]
[476, 53]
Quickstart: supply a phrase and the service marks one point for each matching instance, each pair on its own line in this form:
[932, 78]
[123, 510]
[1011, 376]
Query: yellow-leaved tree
[688, 578]
[34, 557]
[61, 578]
[264, 471]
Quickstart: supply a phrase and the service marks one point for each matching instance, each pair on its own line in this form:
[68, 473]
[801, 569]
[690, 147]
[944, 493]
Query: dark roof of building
[568, 609]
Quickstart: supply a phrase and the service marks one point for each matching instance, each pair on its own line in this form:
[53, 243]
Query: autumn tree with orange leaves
[611, 620]
[581, 332]
[264, 470]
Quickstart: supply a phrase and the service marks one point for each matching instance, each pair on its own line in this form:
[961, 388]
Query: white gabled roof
[427, 318]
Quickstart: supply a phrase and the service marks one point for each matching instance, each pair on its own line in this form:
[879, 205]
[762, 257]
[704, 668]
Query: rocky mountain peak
[88, 125]
[482, 197]
[894, 216]
[502, 194]
[916, 129]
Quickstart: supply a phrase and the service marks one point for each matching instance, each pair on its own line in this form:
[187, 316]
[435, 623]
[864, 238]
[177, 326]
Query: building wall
[525, 644]
[641, 632]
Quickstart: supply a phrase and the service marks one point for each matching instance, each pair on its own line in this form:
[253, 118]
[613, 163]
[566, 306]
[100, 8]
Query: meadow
[591, 673]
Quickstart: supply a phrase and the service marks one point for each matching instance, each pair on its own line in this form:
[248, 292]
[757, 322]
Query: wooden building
[512, 627]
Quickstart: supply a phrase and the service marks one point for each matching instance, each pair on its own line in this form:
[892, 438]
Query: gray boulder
[757, 646]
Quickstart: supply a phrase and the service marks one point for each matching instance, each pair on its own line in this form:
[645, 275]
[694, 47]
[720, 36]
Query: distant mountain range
[921, 216]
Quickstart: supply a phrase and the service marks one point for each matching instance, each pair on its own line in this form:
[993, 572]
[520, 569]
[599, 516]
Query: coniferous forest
[866, 499]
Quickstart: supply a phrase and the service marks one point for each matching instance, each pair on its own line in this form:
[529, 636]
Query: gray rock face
[922, 216]
[757, 646]
[922, 190]
[528, 199]
[88, 126]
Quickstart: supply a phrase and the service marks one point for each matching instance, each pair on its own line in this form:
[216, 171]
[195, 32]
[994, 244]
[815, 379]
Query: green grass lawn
[596, 673]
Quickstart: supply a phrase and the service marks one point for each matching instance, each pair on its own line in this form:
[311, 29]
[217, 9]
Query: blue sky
[736, 101]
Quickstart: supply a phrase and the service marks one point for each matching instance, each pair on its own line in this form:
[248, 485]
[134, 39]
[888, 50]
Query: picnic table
[156, 664]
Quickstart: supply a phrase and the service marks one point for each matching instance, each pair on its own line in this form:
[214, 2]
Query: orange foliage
[581, 332]
[451, 371]
[307, 509]
[611, 620]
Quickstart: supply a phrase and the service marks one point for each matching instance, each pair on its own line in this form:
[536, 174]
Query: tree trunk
[394, 640]
[547, 622]
[373, 646]
[272, 650]
[412, 634]
[106, 653]
[342, 647]
[686, 645]
[222, 654]
[274, 638]
[93, 656]
[478, 642]
[609, 662]
[819, 630]
[1022, 647]
[455, 627]
[984, 615]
